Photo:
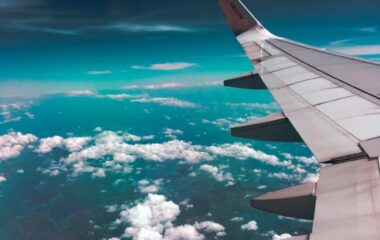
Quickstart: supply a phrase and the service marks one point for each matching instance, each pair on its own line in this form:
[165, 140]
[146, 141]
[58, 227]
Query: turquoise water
[39, 206]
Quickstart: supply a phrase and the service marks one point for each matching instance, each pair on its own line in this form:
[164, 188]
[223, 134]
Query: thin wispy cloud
[40, 25]
[84, 92]
[139, 28]
[173, 102]
[359, 50]
[166, 66]
[173, 85]
[369, 29]
[102, 72]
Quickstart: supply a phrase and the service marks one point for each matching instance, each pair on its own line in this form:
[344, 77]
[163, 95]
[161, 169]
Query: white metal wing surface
[331, 102]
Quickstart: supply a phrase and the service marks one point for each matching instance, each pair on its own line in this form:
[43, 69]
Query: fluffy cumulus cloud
[167, 66]
[243, 152]
[281, 236]
[250, 226]
[12, 144]
[146, 186]
[211, 227]
[153, 219]
[218, 174]
[116, 151]
[71, 144]
[172, 133]
[172, 102]
[226, 123]
[185, 232]
[2, 179]
[150, 217]
[311, 177]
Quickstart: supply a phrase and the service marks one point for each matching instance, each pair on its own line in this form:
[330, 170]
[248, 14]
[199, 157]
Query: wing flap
[348, 202]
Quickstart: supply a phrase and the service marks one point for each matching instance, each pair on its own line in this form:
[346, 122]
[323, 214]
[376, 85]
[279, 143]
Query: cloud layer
[153, 219]
[166, 66]
[12, 144]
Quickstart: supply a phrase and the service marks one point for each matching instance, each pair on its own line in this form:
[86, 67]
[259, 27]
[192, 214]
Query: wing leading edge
[331, 101]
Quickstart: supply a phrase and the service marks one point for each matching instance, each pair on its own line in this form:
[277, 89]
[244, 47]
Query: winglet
[239, 17]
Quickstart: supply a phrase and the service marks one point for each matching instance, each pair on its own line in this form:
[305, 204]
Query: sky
[113, 113]
[102, 44]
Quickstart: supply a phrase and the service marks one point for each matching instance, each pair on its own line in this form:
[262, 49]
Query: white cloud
[311, 177]
[186, 204]
[152, 215]
[30, 115]
[166, 66]
[162, 86]
[13, 143]
[359, 50]
[282, 236]
[173, 102]
[271, 107]
[172, 133]
[136, 28]
[237, 219]
[153, 219]
[280, 175]
[369, 29]
[74, 144]
[47, 144]
[133, 138]
[209, 226]
[243, 152]
[226, 123]
[217, 174]
[2, 179]
[307, 160]
[84, 92]
[172, 150]
[185, 232]
[250, 226]
[173, 85]
[102, 72]
[71, 144]
[98, 129]
[100, 173]
[122, 153]
[7, 111]
[146, 186]
[121, 96]
[115, 151]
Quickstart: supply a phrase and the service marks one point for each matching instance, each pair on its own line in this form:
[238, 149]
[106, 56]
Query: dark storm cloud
[75, 17]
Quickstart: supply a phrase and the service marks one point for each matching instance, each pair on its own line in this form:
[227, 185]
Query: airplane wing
[330, 101]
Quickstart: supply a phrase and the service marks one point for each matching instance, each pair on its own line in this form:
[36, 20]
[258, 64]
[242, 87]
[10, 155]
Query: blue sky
[98, 44]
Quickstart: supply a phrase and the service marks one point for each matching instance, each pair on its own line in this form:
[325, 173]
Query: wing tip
[239, 17]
